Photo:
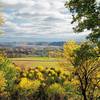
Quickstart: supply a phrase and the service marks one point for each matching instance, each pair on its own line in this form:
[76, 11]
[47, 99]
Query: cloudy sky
[37, 20]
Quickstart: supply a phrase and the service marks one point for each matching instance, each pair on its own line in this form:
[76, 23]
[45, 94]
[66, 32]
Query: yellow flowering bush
[37, 79]
[9, 74]
[41, 68]
[27, 87]
[55, 89]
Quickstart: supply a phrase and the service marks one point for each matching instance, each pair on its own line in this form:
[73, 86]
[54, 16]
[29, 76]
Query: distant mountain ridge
[27, 44]
[57, 43]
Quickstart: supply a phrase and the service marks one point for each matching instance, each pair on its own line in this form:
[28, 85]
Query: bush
[2, 83]
[9, 72]
[55, 91]
[36, 81]
[27, 87]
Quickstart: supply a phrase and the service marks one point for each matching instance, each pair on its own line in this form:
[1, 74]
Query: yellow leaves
[71, 44]
[28, 84]
[52, 72]
[40, 76]
[98, 75]
[75, 82]
[96, 79]
[30, 79]
[98, 84]
[67, 73]
[67, 82]
[62, 76]
[36, 85]
[69, 48]
[69, 51]
[1, 58]
[18, 69]
[25, 83]
[32, 71]
[2, 81]
[41, 68]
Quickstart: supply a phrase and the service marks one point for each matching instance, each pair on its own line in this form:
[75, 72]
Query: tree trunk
[84, 96]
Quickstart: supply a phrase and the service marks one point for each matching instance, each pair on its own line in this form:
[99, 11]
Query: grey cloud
[37, 18]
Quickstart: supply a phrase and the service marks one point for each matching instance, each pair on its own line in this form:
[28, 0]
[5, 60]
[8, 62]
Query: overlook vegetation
[69, 80]
[76, 76]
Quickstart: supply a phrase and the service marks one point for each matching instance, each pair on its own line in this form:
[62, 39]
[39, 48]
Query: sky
[37, 20]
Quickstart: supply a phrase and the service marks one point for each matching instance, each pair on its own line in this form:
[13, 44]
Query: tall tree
[86, 66]
[87, 71]
[86, 13]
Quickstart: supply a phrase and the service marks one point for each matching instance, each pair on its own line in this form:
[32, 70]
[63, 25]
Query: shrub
[9, 73]
[55, 89]
[2, 83]
[28, 87]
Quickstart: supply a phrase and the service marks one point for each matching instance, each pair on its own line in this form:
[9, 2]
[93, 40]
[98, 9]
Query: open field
[34, 58]
[36, 61]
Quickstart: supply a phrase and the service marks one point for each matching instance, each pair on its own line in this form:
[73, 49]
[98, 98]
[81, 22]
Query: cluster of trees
[24, 51]
[17, 52]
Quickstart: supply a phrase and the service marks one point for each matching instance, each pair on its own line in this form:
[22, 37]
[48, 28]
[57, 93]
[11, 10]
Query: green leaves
[87, 15]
